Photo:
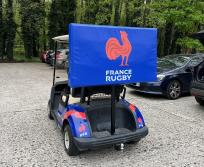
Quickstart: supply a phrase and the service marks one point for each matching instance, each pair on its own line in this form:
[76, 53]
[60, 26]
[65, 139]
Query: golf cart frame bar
[64, 39]
[59, 39]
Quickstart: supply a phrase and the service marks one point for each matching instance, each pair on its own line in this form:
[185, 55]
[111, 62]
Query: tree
[10, 30]
[1, 30]
[80, 11]
[40, 20]
[91, 8]
[115, 15]
[176, 20]
[104, 12]
[44, 38]
[31, 22]
[52, 23]
[62, 13]
[123, 14]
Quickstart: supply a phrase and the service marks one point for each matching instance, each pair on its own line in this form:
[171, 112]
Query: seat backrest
[89, 91]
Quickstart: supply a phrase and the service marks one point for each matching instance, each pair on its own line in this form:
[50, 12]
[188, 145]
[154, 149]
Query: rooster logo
[114, 49]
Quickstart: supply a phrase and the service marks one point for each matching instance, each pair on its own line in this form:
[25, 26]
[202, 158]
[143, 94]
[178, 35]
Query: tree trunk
[11, 30]
[112, 21]
[1, 31]
[161, 42]
[28, 50]
[123, 13]
[78, 11]
[170, 33]
[44, 29]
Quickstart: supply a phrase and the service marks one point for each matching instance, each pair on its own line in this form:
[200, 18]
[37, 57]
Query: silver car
[61, 58]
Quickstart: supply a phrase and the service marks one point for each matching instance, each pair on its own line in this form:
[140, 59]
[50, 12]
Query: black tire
[70, 148]
[174, 89]
[200, 101]
[49, 111]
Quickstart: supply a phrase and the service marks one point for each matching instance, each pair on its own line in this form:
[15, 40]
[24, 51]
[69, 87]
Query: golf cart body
[90, 121]
[92, 111]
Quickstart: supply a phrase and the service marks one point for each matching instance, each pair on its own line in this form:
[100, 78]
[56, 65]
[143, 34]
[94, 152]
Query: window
[195, 61]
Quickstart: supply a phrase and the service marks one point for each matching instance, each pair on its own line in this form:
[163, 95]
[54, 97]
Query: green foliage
[103, 15]
[33, 23]
[62, 13]
[10, 28]
[123, 13]
[184, 13]
[32, 14]
[1, 29]
[177, 19]
[187, 44]
[19, 57]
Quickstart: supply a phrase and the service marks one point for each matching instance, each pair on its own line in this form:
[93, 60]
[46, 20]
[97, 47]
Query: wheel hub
[175, 90]
[66, 140]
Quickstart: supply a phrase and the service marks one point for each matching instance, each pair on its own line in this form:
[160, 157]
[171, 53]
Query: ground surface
[29, 138]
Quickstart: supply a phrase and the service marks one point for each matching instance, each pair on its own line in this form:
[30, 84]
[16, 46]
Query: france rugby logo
[114, 50]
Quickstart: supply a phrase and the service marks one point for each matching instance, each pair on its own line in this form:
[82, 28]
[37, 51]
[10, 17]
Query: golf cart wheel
[200, 101]
[69, 145]
[49, 112]
[173, 90]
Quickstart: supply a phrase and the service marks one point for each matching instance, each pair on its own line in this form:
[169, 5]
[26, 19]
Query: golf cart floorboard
[99, 116]
[107, 133]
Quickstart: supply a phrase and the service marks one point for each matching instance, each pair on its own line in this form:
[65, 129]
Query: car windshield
[173, 61]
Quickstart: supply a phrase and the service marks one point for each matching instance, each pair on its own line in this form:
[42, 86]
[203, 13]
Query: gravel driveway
[29, 138]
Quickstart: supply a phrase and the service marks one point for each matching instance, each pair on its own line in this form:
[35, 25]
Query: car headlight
[160, 77]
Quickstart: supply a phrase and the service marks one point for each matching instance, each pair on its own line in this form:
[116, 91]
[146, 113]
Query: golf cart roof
[61, 39]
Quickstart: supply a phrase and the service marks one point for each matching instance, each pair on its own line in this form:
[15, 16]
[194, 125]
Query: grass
[19, 56]
[22, 58]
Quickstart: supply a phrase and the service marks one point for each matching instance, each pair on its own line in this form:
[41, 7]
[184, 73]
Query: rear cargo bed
[99, 115]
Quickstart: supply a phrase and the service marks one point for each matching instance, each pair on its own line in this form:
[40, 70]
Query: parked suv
[197, 88]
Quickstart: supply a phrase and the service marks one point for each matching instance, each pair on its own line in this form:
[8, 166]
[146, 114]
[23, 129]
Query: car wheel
[49, 111]
[200, 101]
[69, 145]
[173, 90]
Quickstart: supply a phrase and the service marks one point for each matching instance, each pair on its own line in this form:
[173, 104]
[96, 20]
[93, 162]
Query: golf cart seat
[89, 91]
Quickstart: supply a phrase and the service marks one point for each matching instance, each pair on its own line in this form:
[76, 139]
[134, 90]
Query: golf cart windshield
[61, 43]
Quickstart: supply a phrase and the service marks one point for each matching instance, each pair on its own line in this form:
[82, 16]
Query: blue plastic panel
[106, 55]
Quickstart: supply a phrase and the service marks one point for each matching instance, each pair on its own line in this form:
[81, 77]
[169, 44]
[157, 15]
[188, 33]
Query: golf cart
[92, 116]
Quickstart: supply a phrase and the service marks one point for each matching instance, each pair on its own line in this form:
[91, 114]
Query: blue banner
[110, 55]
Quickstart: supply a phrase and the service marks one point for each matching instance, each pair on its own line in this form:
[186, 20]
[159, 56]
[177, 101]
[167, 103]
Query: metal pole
[113, 110]
[55, 63]
[82, 95]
